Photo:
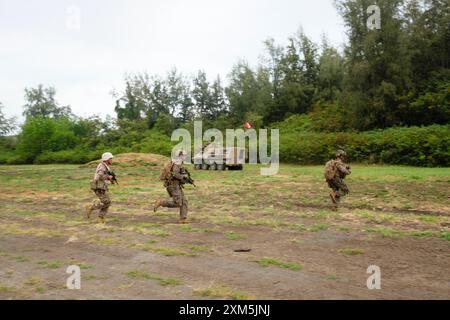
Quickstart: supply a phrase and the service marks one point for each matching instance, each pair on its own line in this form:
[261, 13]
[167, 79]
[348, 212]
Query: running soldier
[175, 176]
[335, 172]
[99, 185]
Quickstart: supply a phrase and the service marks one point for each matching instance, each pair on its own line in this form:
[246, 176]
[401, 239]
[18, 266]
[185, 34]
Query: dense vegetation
[385, 98]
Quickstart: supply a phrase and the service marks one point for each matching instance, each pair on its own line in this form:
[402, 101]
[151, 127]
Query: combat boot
[184, 221]
[89, 210]
[101, 220]
[157, 204]
[333, 197]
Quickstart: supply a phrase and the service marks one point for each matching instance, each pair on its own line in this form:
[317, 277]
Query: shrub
[10, 157]
[416, 146]
[78, 156]
[156, 142]
[41, 135]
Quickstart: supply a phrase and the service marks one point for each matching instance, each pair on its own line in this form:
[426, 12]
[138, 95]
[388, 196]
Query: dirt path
[411, 268]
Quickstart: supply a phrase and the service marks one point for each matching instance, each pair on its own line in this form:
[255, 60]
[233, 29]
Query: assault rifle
[188, 179]
[114, 177]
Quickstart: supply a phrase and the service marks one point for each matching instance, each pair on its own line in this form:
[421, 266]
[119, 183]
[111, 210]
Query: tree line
[397, 75]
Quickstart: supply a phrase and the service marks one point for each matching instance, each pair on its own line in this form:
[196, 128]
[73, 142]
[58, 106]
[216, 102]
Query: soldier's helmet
[341, 153]
[179, 155]
[107, 156]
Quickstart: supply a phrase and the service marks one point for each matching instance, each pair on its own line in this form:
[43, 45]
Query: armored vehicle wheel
[205, 166]
[221, 167]
[197, 167]
[213, 167]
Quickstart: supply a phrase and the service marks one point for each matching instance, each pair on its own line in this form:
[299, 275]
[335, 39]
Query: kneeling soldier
[99, 185]
[174, 176]
[335, 172]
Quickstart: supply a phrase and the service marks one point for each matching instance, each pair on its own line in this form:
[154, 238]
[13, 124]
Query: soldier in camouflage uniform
[99, 185]
[335, 172]
[174, 178]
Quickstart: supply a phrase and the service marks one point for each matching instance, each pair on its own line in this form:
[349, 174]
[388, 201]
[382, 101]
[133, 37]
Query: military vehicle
[209, 158]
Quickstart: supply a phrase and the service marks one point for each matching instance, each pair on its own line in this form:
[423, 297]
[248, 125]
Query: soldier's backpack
[166, 171]
[330, 170]
[98, 185]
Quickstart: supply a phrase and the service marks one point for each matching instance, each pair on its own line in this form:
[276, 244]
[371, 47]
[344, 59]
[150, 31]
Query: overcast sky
[41, 42]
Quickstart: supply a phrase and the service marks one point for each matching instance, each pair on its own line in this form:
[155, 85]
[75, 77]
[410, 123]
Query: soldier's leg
[342, 188]
[184, 207]
[337, 196]
[178, 201]
[96, 204]
[333, 194]
[104, 202]
[175, 201]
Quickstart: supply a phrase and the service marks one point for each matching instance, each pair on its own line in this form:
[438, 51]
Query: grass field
[397, 218]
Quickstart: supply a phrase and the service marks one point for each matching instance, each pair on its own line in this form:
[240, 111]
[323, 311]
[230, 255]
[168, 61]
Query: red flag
[248, 125]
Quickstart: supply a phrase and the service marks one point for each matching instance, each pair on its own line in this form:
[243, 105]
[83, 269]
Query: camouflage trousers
[339, 187]
[178, 200]
[103, 202]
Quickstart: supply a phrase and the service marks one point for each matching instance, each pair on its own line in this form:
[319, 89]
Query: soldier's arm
[343, 168]
[102, 173]
[176, 173]
[349, 169]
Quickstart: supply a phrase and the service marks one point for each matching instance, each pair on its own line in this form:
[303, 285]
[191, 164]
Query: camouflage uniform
[101, 181]
[337, 184]
[174, 187]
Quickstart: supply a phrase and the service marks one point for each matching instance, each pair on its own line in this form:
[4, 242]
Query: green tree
[293, 72]
[251, 92]
[432, 105]
[131, 105]
[90, 130]
[292, 97]
[186, 106]
[218, 104]
[379, 68]
[165, 124]
[330, 74]
[202, 96]
[265, 102]
[6, 125]
[160, 101]
[308, 53]
[40, 102]
[428, 27]
[270, 65]
[40, 134]
[146, 97]
[175, 91]
[242, 91]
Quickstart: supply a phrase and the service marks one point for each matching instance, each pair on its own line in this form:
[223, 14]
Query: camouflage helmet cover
[178, 155]
[107, 156]
[341, 153]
